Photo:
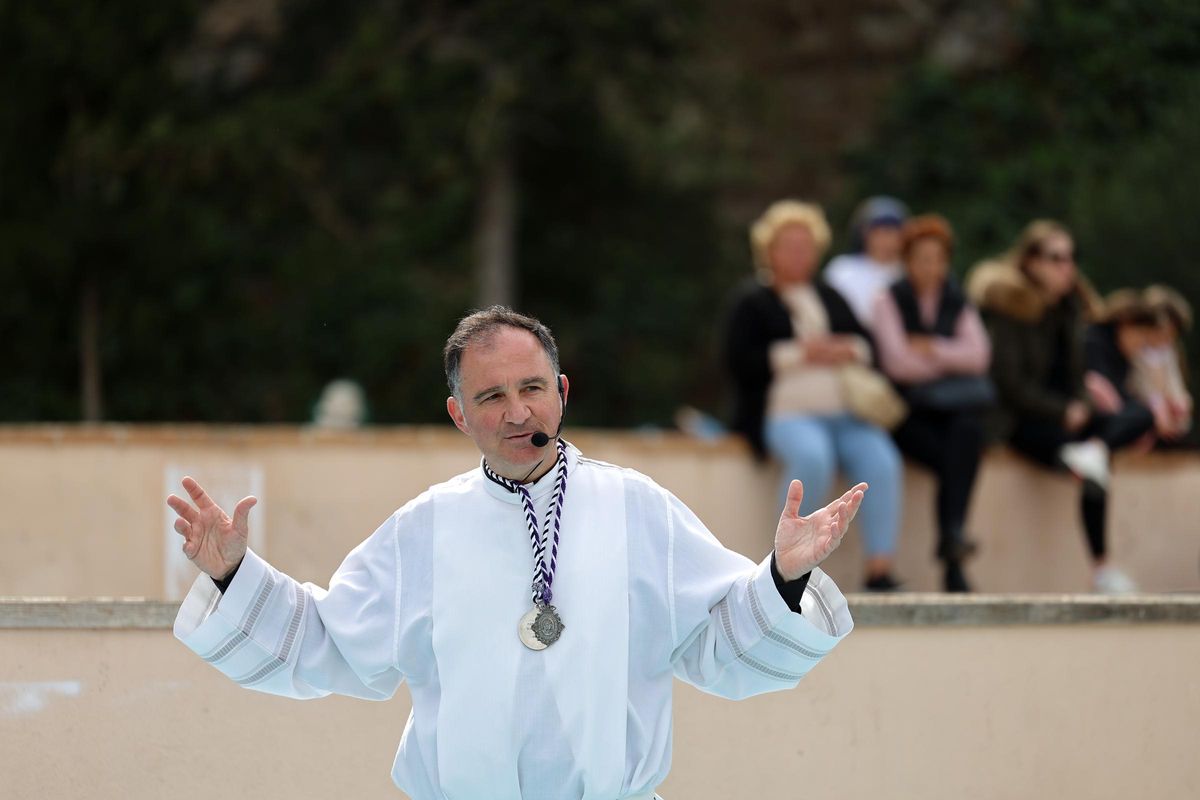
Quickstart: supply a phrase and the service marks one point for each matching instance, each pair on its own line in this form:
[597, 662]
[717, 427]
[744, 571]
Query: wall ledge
[427, 436]
[900, 610]
[934, 609]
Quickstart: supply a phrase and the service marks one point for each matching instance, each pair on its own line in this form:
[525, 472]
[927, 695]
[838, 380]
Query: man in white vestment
[538, 606]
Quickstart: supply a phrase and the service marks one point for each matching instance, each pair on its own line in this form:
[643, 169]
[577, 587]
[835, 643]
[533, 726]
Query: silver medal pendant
[540, 627]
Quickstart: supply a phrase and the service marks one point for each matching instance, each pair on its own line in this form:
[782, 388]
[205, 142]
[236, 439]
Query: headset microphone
[540, 439]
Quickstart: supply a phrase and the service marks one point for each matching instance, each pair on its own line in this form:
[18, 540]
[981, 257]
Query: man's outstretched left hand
[802, 543]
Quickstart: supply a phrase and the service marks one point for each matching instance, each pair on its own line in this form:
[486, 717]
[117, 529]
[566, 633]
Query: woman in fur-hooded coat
[1036, 307]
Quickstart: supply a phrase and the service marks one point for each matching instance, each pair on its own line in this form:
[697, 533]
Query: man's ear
[564, 386]
[456, 413]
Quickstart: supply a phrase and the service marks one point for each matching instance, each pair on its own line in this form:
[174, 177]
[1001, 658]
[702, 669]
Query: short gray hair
[482, 324]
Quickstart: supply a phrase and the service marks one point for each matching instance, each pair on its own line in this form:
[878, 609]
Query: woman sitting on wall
[933, 345]
[1159, 368]
[1133, 356]
[790, 342]
[1036, 306]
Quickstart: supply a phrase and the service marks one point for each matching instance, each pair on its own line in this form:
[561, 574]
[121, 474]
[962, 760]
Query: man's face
[508, 393]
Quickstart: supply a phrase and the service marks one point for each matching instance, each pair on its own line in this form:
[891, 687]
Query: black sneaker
[882, 583]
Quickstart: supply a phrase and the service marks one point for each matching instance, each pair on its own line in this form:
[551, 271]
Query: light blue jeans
[813, 448]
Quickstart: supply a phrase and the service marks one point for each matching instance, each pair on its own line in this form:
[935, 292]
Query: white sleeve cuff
[824, 619]
[206, 617]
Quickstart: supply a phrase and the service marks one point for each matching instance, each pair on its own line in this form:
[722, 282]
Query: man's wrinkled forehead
[503, 348]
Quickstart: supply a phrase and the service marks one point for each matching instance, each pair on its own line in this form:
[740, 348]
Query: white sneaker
[1088, 460]
[1110, 580]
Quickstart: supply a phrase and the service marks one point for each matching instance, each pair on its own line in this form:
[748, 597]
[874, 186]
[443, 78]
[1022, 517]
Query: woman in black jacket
[932, 343]
[788, 340]
[1037, 306]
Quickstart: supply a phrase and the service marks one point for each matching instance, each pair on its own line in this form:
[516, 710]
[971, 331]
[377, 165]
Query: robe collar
[539, 488]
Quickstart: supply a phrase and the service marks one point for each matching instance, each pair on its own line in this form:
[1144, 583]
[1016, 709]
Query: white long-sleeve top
[860, 279]
[434, 596]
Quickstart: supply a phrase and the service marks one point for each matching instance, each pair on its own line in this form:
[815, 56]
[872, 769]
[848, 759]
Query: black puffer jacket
[756, 319]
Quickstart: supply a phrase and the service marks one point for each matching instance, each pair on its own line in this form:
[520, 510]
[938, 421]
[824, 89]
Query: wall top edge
[306, 435]
[410, 436]
[902, 610]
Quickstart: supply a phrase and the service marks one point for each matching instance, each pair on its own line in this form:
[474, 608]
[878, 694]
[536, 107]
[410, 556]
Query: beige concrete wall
[84, 511]
[929, 713]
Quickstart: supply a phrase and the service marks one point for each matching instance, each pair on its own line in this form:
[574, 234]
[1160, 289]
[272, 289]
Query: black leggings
[949, 443]
[1041, 440]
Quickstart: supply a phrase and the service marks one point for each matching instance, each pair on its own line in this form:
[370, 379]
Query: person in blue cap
[873, 263]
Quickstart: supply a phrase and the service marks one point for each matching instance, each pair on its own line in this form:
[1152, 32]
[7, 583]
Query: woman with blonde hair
[789, 340]
[1036, 306]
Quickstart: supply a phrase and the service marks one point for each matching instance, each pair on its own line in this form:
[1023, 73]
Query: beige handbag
[871, 397]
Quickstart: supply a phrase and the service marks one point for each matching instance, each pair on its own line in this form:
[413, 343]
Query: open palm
[802, 543]
[212, 540]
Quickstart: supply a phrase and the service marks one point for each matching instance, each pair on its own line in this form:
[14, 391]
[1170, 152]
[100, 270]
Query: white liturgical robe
[434, 596]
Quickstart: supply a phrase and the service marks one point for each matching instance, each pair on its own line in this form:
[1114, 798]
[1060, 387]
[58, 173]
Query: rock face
[809, 77]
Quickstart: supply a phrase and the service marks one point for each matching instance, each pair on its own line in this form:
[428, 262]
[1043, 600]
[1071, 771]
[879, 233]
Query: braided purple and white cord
[544, 568]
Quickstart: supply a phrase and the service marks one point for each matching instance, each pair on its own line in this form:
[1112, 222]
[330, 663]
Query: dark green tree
[229, 204]
[1089, 121]
[1094, 121]
[84, 93]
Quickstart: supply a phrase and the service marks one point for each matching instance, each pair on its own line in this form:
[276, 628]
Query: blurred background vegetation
[208, 210]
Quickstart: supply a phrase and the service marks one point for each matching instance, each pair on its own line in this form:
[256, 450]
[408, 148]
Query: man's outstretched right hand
[213, 542]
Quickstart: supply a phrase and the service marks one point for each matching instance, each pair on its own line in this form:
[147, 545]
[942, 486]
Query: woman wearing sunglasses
[1036, 306]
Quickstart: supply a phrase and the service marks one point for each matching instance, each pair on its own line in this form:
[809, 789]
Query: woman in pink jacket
[933, 346]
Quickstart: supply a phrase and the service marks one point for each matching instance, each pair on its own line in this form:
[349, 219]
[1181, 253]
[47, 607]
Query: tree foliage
[274, 194]
[266, 195]
[1094, 121]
